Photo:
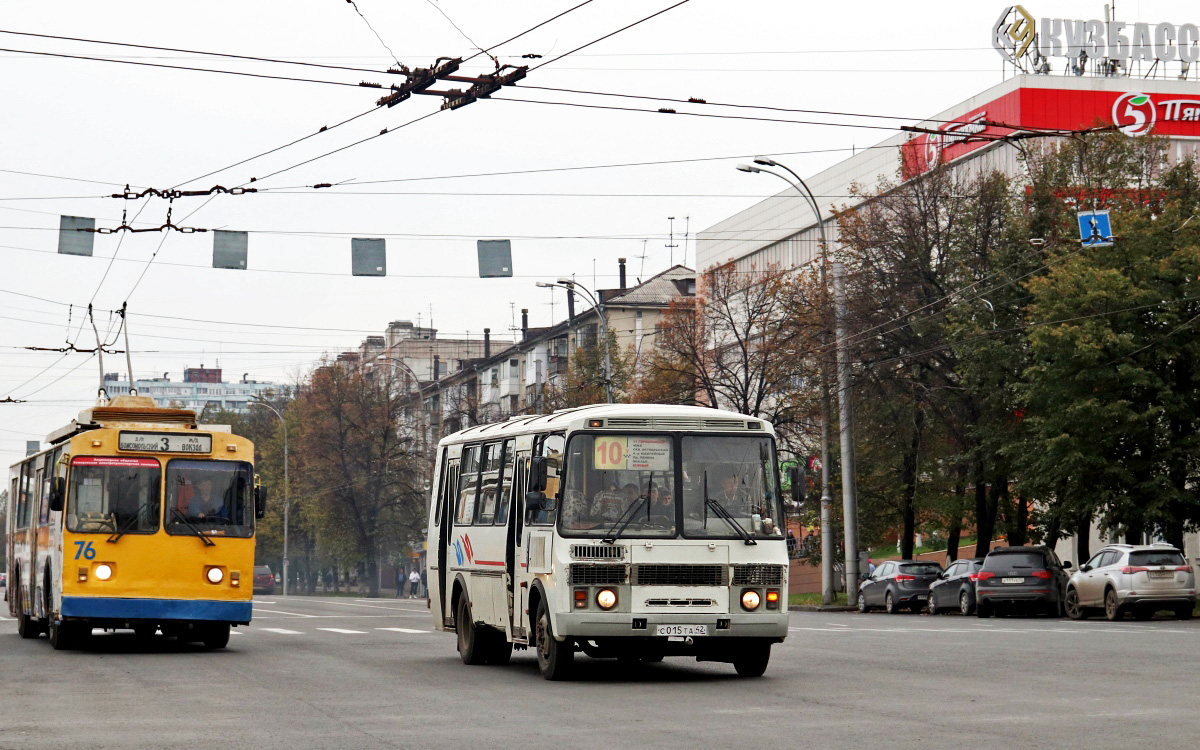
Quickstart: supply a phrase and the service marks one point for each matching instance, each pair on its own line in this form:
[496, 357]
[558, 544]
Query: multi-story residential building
[201, 387]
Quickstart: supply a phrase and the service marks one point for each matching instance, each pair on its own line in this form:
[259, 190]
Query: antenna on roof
[671, 243]
[687, 227]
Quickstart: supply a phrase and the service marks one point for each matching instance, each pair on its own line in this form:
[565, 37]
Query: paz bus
[134, 518]
[626, 531]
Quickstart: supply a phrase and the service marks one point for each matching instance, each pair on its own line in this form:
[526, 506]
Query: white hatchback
[1142, 579]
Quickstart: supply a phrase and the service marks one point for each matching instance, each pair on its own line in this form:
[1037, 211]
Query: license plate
[1012, 580]
[1161, 574]
[921, 598]
[680, 630]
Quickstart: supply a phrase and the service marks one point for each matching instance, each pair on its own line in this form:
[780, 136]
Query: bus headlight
[215, 575]
[750, 599]
[103, 572]
[606, 598]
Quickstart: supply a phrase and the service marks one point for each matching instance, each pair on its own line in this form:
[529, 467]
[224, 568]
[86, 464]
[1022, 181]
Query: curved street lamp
[849, 501]
[571, 284]
[260, 401]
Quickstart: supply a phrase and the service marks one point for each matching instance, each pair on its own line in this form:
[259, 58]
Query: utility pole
[286, 499]
[845, 417]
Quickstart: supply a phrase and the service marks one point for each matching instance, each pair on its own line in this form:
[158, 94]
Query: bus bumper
[159, 610]
[623, 624]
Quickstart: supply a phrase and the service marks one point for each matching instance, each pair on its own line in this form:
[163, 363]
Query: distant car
[1021, 578]
[1141, 579]
[3, 579]
[264, 580]
[897, 584]
[954, 588]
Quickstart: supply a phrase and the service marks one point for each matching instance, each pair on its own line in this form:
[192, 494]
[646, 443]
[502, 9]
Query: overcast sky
[91, 127]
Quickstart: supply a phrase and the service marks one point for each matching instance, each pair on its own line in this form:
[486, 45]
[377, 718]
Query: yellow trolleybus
[622, 531]
[134, 517]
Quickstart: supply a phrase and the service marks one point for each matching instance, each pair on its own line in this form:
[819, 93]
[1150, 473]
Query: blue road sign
[1095, 229]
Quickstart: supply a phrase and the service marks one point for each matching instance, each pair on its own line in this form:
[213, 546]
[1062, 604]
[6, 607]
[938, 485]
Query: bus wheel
[555, 658]
[27, 626]
[472, 643]
[63, 635]
[751, 660]
[216, 635]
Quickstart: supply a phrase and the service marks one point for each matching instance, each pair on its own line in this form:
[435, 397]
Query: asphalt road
[370, 673]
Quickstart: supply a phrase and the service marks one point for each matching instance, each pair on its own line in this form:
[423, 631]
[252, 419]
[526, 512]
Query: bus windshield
[619, 484]
[729, 487]
[111, 494]
[213, 497]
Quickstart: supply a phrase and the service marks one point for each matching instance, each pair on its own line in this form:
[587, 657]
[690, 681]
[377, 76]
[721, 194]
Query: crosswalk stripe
[343, 630]
[282, 631]
[403, 630]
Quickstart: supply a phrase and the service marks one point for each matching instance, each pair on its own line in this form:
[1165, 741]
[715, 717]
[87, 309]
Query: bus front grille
[597, 551]
[679, 575]
[597, 575]
[757, 575]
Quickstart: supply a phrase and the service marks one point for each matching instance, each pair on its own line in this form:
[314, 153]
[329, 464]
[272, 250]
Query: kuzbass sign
[1020, 39]
[1135, 113]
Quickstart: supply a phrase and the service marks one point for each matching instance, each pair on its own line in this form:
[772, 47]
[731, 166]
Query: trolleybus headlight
[215, 575]
[103, 572]
[606, 598]
[750, 599]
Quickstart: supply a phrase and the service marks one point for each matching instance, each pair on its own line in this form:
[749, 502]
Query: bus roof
[657, 417]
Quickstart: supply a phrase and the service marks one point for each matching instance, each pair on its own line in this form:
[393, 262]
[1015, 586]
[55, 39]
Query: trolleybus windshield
[213, 497]
[114, 494]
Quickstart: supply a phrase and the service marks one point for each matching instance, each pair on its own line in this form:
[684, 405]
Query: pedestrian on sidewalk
[399, 581]
[424, 583]
[414, 582]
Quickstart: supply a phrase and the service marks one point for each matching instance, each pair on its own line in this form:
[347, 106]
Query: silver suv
[1141, 579]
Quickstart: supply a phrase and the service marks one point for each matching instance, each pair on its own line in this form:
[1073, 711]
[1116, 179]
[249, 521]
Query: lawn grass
[889, 551]
[812, 600]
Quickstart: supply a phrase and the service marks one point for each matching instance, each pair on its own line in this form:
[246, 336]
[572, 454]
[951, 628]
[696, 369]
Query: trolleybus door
[441, 580]
[37, 543]
[516, 572]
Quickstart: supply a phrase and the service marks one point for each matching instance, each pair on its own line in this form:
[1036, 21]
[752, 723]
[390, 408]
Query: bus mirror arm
[797, 481]
[58, 494]
[260, 501]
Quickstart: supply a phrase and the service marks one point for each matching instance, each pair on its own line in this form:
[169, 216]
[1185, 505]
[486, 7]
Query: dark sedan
[264, 580]
[897, 584]
[1021, 578]
[954, 588]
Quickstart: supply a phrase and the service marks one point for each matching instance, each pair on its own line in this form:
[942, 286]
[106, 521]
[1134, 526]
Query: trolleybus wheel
[63, 635]
[472, 644]
[555, 658]
[752, 659]
[27, 627]
[216, 635]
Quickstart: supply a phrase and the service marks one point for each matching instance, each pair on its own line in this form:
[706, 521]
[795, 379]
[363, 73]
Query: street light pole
[849, 501]
[286, 498]
[599, 305]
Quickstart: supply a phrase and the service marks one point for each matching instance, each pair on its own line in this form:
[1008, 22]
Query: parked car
[3, 579]
[955, 587]
[897, 584]
[1021, 578]
[1141, 579]
[264, 580]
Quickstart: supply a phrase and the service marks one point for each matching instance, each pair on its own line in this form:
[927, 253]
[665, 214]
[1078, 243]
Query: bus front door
[441, 580]
[516, 572]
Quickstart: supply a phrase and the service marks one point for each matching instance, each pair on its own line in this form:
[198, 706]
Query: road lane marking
[282, 631]
[404, 630]
[293, 614]
[374, 606]
[343, 630]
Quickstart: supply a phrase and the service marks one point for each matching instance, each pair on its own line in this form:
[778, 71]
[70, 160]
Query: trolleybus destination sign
[164, 442]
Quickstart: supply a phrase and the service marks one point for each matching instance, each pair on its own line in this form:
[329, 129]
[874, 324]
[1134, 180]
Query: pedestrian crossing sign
[1095, 229]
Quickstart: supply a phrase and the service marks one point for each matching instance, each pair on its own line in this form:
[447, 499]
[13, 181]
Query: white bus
[625, 531]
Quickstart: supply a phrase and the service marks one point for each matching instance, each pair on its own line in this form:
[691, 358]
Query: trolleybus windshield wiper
[203, 537]
[125, 527]
[723, 513]
[623, 522]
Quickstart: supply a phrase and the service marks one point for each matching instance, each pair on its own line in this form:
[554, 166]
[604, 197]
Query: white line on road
[343, 630]
[293, 614]
[374, 606]
[404, 630]
[282, 631]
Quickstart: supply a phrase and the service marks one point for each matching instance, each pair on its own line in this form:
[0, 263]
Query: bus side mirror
[537, 474]
[260, 501]
[58, 494]
[536, 501]
[796, 479]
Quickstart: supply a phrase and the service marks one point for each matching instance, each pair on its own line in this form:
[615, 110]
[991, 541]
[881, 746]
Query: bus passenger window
[485, 511]
[551, 447]
[468, 486]
[506, 475]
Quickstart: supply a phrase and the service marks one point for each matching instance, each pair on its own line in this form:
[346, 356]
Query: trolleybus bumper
[189, 610]
[602, 625]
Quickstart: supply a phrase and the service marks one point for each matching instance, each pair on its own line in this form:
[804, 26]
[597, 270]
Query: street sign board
[495, 258]
[1095, 229]
[368, 257]
[71, 239]
[229, 249]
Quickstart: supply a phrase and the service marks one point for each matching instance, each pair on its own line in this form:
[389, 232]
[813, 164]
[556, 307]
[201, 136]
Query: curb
[822, 608]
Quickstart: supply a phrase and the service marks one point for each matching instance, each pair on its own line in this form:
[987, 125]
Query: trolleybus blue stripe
[155, 609]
